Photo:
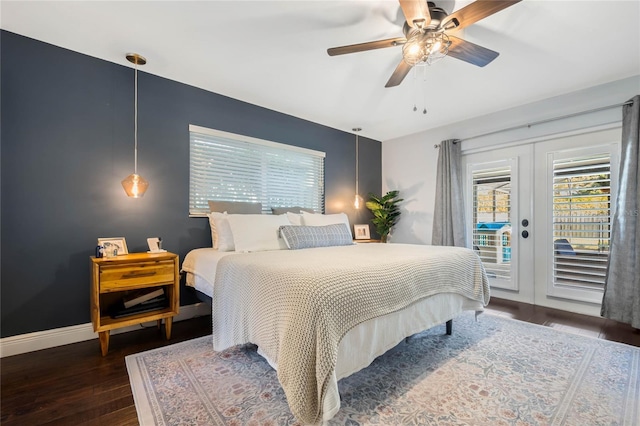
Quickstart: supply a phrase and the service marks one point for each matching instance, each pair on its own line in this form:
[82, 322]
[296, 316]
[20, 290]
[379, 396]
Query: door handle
[525, 234]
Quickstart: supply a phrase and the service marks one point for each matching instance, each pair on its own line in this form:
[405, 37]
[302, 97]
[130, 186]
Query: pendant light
[135, 185]
[357, 201]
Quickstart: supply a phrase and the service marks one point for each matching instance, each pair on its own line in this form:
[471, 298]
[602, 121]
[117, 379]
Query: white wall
[409, 163]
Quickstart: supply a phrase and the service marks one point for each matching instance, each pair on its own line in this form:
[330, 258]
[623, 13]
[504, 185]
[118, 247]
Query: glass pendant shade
[135, 185]
[358, 201]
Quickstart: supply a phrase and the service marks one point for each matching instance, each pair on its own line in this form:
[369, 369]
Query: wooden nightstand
[366, 241]
[115, 277]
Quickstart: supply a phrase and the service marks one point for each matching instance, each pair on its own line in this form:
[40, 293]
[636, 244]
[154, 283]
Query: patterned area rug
[495, 371]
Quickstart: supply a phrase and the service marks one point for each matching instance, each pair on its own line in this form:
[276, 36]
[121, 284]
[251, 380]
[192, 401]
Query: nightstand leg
[104, 342]
[168, 322]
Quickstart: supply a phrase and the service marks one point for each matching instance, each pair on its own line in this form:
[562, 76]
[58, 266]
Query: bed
[319, 314]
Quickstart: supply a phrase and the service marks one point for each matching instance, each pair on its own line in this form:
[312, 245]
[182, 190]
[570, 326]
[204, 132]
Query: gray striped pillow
[300, 237]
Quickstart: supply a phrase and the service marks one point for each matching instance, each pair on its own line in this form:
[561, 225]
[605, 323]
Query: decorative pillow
[310, 219]
[257, 232]
[221, 235]
[283, 210]
[235, 207]
[300, 237]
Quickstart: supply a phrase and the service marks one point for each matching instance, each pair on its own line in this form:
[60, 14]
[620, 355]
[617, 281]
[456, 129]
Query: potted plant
[385, 212]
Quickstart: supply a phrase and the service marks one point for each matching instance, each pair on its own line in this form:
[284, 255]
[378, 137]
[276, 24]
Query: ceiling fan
[425, 35]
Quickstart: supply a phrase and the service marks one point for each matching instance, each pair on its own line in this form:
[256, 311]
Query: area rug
[495, 371]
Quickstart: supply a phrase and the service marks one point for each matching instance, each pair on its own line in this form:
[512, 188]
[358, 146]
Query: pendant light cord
[357, 165]
[135, 124]
[358, 199]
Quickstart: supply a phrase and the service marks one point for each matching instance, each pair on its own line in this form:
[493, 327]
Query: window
[229, 167]
[581, 220]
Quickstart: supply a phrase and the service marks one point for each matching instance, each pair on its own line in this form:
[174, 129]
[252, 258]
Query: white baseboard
[38, 340]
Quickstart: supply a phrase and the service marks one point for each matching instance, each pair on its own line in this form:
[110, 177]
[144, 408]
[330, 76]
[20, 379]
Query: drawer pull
[138, 275]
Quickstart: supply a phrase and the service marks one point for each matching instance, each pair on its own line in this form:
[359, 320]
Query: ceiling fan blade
[371, 45]
[474, 12]
[416, 12]
[469, 52]
[399, 74]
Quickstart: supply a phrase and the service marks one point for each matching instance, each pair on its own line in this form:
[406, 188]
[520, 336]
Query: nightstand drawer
[135, 275]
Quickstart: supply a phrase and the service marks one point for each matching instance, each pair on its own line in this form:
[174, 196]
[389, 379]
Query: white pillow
[311, 219]
[214, 233]
[295, 218]
[221, 235]
[257, 232]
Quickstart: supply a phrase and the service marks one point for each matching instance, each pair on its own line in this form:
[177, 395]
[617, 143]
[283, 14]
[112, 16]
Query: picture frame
[118, 242]
[361, 232]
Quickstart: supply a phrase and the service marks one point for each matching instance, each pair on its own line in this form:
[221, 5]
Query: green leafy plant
[385, 212]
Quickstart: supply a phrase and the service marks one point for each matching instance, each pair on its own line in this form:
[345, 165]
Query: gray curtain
[621, 300]
[448, 217]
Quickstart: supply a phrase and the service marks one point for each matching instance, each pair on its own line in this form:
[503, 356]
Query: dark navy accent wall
[67, 142]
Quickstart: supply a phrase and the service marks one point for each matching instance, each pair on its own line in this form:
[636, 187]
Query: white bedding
[201, 265]
[363, 343]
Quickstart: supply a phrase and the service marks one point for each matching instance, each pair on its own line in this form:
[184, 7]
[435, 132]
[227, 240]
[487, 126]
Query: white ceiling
[273, 53]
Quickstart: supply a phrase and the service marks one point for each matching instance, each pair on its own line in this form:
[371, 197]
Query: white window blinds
[229, 167]
[581, 220]
[492, 220]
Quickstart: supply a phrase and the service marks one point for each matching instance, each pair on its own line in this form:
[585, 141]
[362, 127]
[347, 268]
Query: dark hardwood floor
[597, 327]
[74, 384]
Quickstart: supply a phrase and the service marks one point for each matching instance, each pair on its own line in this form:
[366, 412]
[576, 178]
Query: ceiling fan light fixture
[425, 41]
[425, 48]
[435, 48]
[412, 51]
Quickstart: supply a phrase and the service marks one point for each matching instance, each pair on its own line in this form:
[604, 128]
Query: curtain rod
[548, 120]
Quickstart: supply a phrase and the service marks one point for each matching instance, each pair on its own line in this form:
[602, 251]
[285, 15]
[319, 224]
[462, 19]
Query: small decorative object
[385, 212]
[155, 245]
[361, 232]
[113, 246]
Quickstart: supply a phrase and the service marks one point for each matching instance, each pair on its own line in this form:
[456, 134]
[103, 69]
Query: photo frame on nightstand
[116, 242]
[361, 232]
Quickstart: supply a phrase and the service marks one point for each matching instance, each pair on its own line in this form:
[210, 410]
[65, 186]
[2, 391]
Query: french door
[498, 193]
[538, 215]
[576, 185]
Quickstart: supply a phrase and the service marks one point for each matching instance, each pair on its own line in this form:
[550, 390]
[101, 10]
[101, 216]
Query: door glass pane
[581, 220]
[492, 220]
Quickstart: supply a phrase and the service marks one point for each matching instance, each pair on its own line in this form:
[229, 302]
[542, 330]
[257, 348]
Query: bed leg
[449, 326]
